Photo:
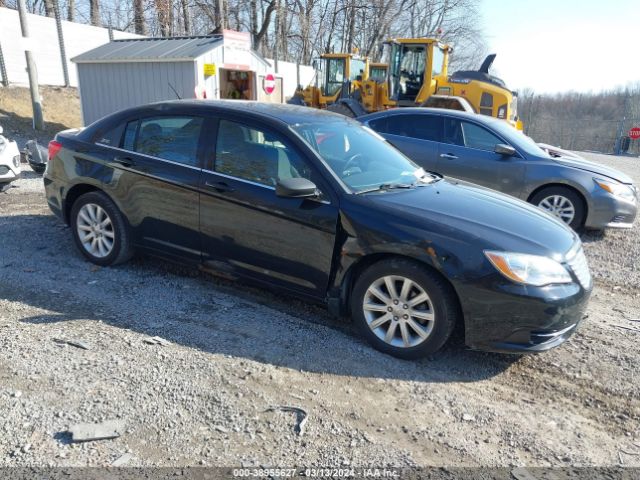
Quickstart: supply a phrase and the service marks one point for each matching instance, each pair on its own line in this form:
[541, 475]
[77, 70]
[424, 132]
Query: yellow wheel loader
[339, 76]
[417, 75]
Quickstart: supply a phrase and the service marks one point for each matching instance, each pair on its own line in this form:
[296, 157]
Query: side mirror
[502, 149]
[296, 188]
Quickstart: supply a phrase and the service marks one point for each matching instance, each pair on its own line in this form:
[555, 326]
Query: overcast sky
[561, 45]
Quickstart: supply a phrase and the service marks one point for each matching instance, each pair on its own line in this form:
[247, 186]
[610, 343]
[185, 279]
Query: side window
[379, 125]
[478, 137]
[256, 155]
[110, 137]
[453, 132]
[422, 127]
[172, 138]
[130, 136]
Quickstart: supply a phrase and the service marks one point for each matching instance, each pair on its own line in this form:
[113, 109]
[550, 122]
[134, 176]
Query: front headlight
[528, 269]
[618, 189]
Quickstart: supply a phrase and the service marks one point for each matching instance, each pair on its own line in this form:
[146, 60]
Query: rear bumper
[509, 318]
[53, 192]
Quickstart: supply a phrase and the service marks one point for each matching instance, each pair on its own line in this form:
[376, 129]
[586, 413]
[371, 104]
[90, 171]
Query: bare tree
[186, 16]
[71, 10]
[49, 8]
[94, 12]
[164, 12]
[138, 17]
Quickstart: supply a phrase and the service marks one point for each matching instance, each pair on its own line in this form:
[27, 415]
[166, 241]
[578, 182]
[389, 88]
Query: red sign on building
[269, 83]
[634, 133]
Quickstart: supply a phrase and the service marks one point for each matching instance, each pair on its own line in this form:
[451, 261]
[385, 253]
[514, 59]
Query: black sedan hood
[596, 168]
[486, 218]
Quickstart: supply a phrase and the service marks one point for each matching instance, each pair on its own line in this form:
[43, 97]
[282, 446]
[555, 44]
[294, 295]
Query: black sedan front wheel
[404, 309]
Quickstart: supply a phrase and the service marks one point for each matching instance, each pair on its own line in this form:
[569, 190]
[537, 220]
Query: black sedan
[489, 152]
[315, 204]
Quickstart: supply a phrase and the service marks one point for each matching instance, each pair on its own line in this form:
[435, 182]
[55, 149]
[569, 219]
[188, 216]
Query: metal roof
[150, 49]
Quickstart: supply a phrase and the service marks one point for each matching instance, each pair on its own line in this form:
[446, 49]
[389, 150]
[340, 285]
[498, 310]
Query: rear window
[172, 138]
[110, 137]
[422, 127]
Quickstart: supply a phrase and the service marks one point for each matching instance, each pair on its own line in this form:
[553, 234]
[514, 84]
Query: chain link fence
[606, 136]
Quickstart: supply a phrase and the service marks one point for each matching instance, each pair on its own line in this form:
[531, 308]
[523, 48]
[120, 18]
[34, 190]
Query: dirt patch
[61, 109]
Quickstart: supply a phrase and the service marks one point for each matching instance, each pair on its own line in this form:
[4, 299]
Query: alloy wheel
[559, 206]
[398, 311]
[95, 230]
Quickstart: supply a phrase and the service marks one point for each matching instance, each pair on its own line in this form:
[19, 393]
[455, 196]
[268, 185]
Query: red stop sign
[269, 83]
[634, 133]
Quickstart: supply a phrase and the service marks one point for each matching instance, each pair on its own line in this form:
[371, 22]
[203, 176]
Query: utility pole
[277, 36]
[36, 104]
[63, 54]
[3, 70]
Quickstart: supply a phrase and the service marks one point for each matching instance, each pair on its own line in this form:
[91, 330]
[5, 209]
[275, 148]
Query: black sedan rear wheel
[99, 230]
[404, 309]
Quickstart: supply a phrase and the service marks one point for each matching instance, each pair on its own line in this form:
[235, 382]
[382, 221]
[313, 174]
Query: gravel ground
[236, 352]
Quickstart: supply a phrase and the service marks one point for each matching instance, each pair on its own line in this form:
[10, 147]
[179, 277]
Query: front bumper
[6, 184]
[505, 317]
[9, 161]
[610, 211]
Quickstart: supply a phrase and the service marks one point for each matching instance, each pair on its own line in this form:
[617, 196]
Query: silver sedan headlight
[618, 189]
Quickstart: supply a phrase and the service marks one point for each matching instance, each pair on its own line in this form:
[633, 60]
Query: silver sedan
[489, 152]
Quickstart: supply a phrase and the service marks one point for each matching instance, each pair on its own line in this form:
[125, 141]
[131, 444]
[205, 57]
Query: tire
[296, 100]
[115, 232]
[342, 109]
[436, 317]
[553, 199]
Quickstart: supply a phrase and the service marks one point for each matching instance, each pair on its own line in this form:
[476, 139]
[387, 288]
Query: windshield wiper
[388, 186]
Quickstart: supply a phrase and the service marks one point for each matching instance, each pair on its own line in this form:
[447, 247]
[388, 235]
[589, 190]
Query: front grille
[4, 169]
[580, 268]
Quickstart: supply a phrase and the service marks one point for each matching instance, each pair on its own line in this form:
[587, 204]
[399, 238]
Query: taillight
[54, 148]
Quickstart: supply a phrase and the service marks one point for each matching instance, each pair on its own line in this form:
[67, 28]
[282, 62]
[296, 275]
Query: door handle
[448, 155]
[219, 186]
[124, 161]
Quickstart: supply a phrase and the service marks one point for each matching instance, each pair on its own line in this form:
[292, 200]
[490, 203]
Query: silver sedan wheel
[398, 311]
[560, 207]
[95, 230]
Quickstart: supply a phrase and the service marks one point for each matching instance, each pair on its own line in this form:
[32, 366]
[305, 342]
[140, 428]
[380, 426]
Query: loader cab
[341, 70]
[378, 72]
[413, 64]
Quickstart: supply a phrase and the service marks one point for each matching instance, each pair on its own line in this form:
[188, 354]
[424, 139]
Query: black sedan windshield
[359, 157]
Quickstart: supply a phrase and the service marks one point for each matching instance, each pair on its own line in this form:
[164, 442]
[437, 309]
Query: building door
[237, 84]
